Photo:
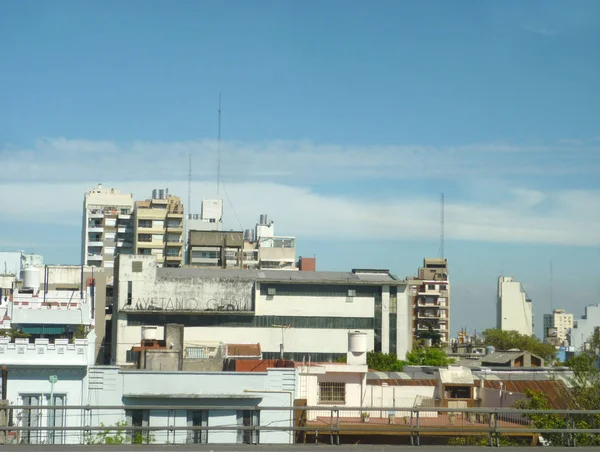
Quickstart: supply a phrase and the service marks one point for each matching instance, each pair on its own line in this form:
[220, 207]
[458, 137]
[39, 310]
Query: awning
[43, 329]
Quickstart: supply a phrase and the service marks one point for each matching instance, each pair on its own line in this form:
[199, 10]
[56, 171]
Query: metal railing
[170, 424]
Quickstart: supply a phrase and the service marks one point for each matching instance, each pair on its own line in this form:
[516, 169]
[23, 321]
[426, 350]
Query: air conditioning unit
[271, 291]
[351, 292]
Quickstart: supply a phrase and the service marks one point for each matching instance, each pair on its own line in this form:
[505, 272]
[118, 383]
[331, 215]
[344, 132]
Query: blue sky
[344, 121]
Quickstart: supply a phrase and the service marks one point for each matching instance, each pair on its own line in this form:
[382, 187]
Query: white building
[514, 307]
[38, 370]
[263, 249]
[307, 314]
[194, 393]
[107, 229]
[557, 326]
[584, 328]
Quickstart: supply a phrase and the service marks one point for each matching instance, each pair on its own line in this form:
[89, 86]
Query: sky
[343, 121]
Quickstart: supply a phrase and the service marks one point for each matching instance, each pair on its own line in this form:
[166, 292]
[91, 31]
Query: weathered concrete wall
[162, 360]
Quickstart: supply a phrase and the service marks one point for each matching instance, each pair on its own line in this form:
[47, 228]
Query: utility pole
[219, 149]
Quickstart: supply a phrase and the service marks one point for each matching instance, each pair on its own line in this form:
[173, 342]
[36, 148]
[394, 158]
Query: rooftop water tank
[31, 278]
[149, 333]
[489, 349]
[357, 342]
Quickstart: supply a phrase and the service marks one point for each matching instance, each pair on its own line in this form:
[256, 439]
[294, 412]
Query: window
[56, 418]
[246, 419]
[458, 392]
[145, 224]
[139, 418]
[129, 292]
[144, 237]
[332, 392]
[197, 419]
[324, 290]
[31, 418]
[430, 286]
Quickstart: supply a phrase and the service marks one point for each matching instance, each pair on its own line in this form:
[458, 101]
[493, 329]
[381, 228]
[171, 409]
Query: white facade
[306, 313]
[191, 391]
[562, 322]
[584, 328]
[30, 366]
[107, 229]
[514, 308]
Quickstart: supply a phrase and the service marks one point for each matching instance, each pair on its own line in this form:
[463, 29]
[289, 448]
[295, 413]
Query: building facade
[514, 307]
[430, 302]
[158, 228]
[304, 315]
[215, 249]
[584, 328]
[107, 229]
[557, 326]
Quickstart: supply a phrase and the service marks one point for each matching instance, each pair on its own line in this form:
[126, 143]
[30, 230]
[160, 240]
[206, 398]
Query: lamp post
[53, 379]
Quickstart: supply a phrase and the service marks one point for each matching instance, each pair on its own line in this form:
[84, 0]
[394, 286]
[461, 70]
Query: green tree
[584, 394]
[428, 357]
[506, 340]
[384, 362]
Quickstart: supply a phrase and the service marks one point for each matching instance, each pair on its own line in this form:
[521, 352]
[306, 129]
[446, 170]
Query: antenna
[190, 183]
[551, 287]
[219, 149]
[442, 227]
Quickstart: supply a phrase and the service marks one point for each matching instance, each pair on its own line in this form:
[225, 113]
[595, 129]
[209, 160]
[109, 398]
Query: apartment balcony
[124, 216]
[429, 314]
[125, 230]
[174, 227]
[151, 230]
[95, 228]
[173, 258]
[175, 244]
[99, 243]
[94, 257]
[155, 244]
[175, 214]
[422, 327]
[96, 214]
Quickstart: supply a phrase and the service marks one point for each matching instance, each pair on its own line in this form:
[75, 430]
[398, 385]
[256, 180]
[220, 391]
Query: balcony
[173, 258]
[94, 257]
[99, 243]
[422, 314]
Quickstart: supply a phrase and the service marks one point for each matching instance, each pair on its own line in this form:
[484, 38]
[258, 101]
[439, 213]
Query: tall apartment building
[514, 307]
[430, 295]
[557, 327]
[158, 228]
[107, 229]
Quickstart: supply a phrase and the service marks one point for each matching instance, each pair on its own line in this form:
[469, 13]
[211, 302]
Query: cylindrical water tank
[489, 349]
[31, 278]
[149, 333]
[357, 342]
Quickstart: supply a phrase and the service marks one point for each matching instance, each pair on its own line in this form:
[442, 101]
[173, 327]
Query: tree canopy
[506, 340]
[389, 362]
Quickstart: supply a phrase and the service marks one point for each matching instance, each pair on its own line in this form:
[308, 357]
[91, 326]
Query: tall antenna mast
[551, 287]
[219, 149]
[190, 183]
[442, 228]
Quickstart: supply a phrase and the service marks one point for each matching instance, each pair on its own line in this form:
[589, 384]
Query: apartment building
[305, 315]
[263, 249]
[158, 228]
[514, 307]
[557, 327]
[216, 249]
[107, 229]
[584, 328]
[430, 296]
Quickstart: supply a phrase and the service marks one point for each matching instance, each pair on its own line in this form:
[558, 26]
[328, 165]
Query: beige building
[557, 327]
[107, 229]
[430, 293]
[216, 249]
[158, 228]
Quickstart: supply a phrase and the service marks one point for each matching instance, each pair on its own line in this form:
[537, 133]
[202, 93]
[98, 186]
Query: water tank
[489, 349]
[357, 342]
[149, 333]
[31, 277]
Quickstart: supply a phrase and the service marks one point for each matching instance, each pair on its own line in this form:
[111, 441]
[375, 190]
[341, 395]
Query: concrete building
[307, 314]
[107, 229]
[557, 326]
[584, 328]
[215, 249]
[56, 301]
[263, 249]
[158, 228]
[13, 262]
[41, 373]
[430, 301]
[514, 307]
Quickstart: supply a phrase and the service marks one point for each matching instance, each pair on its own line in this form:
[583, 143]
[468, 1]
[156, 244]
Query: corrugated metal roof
[554, 390]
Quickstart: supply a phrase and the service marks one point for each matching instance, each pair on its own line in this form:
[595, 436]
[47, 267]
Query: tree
[506, 340]
[584, 394]
[384, 362]
[428, 357]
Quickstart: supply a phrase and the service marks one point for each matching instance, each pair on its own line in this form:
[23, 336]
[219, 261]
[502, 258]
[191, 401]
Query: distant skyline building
[557, 327]
[158, 228]
[106, 229]
[430, 294]
[584, 328]
[514, 307]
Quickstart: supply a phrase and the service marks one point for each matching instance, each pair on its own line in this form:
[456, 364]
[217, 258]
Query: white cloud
[46, 184]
